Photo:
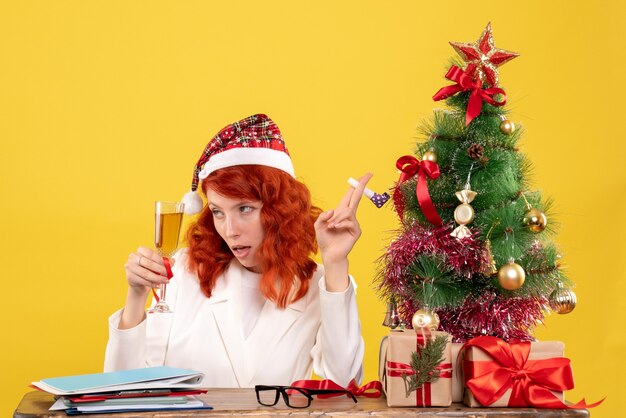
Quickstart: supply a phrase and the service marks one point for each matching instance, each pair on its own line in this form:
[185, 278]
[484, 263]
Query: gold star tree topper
[483, 58]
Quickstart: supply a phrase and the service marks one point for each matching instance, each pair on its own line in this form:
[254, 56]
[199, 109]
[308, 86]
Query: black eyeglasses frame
[308, 394]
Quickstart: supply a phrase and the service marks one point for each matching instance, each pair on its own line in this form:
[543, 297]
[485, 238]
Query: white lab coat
[321, 331]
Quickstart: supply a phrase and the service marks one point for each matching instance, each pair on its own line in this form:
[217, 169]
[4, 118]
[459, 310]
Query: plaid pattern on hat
[253, 140]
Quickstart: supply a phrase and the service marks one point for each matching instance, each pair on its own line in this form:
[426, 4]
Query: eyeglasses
[294, 397]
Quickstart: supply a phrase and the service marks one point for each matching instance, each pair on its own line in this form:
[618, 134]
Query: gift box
[395, 361]
[501, 374]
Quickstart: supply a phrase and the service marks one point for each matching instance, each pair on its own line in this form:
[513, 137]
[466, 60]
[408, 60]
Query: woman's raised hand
[338, 230]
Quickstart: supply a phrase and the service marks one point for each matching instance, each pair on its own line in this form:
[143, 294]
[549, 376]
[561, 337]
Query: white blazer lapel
[226, 308]
[268, 331]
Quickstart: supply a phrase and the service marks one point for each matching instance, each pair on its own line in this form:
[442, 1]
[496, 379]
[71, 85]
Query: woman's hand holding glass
[145, 270]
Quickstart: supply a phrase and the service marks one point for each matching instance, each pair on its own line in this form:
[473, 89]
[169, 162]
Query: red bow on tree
[464, 82]
[409, 166]
[531, 381]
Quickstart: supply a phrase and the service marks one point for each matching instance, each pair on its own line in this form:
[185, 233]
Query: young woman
[250, 305]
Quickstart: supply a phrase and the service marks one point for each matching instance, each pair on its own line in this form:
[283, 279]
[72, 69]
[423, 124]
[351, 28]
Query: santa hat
[253, 140]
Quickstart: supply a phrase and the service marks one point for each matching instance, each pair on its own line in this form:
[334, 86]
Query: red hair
[287, 217]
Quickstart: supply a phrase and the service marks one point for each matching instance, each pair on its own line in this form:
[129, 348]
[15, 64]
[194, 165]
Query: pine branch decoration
[424, 363]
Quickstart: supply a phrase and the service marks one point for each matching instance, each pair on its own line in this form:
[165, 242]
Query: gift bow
[530, 381]
[409, 166]
[372, 389]
[465, 82]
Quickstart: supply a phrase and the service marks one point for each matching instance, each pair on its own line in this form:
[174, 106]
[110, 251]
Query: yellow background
[106, 105]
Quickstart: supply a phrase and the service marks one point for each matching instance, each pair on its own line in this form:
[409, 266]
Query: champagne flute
[168, 218]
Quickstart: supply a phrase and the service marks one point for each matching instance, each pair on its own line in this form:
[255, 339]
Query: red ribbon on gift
[372, 389]
[530, 381]
[409, 166]
[397, 369]
[168, 269]
[423, 393]
[464, 82]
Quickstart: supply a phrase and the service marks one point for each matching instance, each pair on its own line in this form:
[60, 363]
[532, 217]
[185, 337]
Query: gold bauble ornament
[425, 319]
[535, 220]
[562, 301]
[507, 127]
[511, 276]
[430, 156]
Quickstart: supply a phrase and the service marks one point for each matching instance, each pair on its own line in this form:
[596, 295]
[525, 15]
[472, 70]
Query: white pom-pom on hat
[254, 140]
[193, 203]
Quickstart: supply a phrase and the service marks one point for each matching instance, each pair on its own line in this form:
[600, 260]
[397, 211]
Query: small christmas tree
[474, 251]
